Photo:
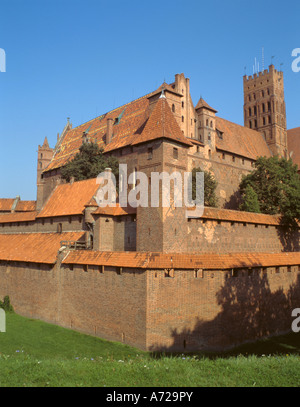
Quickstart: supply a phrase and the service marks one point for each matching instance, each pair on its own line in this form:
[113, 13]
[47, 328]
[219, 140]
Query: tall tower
[45, 154]
[264, 108]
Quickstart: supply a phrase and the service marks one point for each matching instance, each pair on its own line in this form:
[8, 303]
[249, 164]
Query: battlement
[263, 74]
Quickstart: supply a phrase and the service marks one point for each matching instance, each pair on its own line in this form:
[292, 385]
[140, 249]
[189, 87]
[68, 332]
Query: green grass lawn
[33, 353]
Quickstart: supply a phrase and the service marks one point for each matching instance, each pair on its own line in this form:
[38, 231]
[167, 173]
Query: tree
[277, 186]
[88, 163]
[250, 200]
[210, 185]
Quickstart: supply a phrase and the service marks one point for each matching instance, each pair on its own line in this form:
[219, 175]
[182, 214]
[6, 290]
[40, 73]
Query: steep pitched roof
[129, 120]
[34, 247]
[162, 124]
[181, 261]
[293, 140]
[69, 199]
[241, 140]
[202, 104]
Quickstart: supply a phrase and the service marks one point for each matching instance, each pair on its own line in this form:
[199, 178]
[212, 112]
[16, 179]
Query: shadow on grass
[288, 344]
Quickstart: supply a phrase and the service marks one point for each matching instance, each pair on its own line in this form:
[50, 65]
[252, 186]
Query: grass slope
[33, 353]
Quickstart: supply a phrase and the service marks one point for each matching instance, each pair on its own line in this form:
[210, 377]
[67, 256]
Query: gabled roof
[162, 124]
[144, 260]
[241, 140]
[34, 247]
[69, 199]
[293, 140]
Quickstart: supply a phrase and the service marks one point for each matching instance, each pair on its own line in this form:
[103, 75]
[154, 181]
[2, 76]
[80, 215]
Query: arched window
[207, 122]
[250, 124]
[263, 108]
[249, 111]
[211, 124]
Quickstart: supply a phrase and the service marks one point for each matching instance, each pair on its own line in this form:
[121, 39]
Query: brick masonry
[180, 310]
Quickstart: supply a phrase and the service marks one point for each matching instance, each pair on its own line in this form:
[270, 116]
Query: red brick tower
[45, 154]
[264, 108]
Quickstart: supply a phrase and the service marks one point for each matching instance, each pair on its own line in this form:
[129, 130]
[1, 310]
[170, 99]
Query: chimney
[109, 129]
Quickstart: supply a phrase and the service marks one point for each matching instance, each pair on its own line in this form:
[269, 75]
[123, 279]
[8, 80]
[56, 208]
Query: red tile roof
[239, 216]
[6, 204]
[293, 140]
[202, 103]
[181, 261]
[25, 206]
[69, 199]
[34, 247]
[132, 117]
[162, 124]
[115, 211]
[241, 140]
[18, 217]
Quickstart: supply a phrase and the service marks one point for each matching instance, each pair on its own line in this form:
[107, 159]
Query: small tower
[45, 154]
[264, 108]
[206, 123]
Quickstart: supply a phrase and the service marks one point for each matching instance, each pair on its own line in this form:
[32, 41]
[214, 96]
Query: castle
[150, 276]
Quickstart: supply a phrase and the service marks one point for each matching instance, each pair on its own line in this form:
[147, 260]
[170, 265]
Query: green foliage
[88, 163]
[250, 200]
[6, 305]
[210, 185]
[277, 186]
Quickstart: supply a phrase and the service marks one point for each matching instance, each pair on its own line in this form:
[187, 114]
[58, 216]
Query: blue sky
[79, 59]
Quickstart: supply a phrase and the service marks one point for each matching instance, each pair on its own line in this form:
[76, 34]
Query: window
[182, 119]
[59, 228]
[249, 111]
[182, 104]
[250, 124]
[175, 153]
[150, 153]
[173, 108]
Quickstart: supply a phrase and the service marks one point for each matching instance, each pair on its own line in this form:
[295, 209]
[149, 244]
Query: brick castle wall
[186, 310]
